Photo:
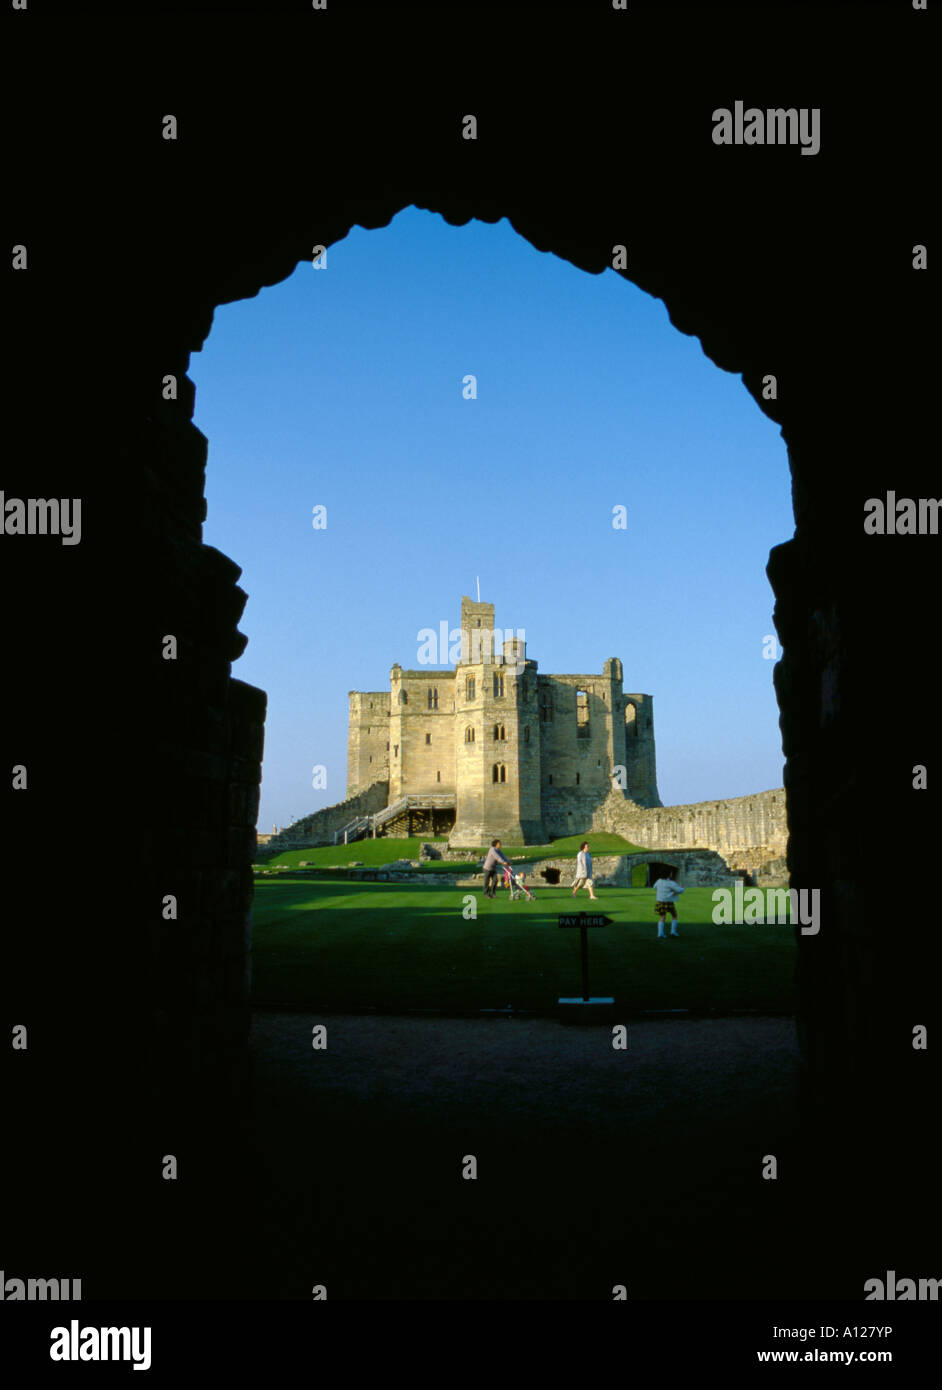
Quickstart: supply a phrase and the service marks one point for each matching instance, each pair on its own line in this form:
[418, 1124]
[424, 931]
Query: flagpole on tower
[479, 588]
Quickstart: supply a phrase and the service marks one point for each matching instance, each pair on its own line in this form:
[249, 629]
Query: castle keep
[495, 748]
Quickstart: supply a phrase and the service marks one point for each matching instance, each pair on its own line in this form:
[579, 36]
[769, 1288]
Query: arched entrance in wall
[659, 869]
[250, 282]
[296, 291]
[740, 251]
[738, 263]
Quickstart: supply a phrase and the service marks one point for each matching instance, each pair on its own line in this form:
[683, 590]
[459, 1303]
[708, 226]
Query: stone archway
[810, 584]
[154, 764]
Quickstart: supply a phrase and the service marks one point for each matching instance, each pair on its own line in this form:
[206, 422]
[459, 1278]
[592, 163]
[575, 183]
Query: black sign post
[584, 920]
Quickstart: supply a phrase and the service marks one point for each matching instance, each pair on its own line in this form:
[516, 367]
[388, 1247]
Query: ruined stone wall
[698, 868]
[694, 868]
[741, 823]
[577, 755]
[318, 828]
[636, 713]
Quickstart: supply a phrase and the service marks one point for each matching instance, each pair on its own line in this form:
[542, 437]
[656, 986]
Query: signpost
[584, 920]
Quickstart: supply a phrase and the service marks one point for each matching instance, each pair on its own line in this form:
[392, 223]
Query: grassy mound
[384, 851]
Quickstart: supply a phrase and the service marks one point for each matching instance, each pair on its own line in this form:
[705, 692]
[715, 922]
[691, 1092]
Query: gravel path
[595, 1166]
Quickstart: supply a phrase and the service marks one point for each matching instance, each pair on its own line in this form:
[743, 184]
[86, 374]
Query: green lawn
[363, 945]
[384, 851]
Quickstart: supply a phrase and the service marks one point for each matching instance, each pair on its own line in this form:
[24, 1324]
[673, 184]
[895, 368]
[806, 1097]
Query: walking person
[491, 861]
[666, 892]
[584, 871]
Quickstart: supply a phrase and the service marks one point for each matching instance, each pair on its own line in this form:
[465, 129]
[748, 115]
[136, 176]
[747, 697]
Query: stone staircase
[353, 830]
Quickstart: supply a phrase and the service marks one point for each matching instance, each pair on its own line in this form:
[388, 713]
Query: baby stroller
[518, 888]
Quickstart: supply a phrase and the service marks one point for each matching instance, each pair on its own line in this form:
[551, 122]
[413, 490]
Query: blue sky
[342, 387]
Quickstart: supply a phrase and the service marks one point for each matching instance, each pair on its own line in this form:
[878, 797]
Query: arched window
[500, 732]
[631, 720]
[403, 697]
[578, 775]
[469, 734]
[499, 773]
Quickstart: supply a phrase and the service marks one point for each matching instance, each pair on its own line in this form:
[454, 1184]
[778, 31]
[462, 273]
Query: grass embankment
[385, 851]
[362, 945]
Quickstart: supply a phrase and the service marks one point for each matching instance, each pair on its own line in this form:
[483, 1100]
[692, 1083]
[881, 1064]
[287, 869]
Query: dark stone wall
[799, 267]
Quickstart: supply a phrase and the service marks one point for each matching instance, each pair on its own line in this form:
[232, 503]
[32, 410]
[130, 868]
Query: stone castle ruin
[495, 748]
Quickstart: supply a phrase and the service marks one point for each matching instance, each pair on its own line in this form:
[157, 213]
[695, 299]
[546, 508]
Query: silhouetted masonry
[794, 268]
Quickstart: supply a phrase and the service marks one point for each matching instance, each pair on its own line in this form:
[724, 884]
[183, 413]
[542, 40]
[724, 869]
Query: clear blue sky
[343, 387]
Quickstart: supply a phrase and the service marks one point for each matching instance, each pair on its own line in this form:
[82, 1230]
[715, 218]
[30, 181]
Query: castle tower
[497, 749]
[497, 736]
[477, 632]
[367, 739]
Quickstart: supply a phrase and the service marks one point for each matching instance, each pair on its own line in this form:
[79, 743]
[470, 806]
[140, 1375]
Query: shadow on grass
[343, 945]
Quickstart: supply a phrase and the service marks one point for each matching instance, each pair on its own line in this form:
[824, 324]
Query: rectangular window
[428, 738]
[498, 685]
[582, 714]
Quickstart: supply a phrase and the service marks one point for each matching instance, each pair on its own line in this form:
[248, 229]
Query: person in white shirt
[666, 891]
[583, 871]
